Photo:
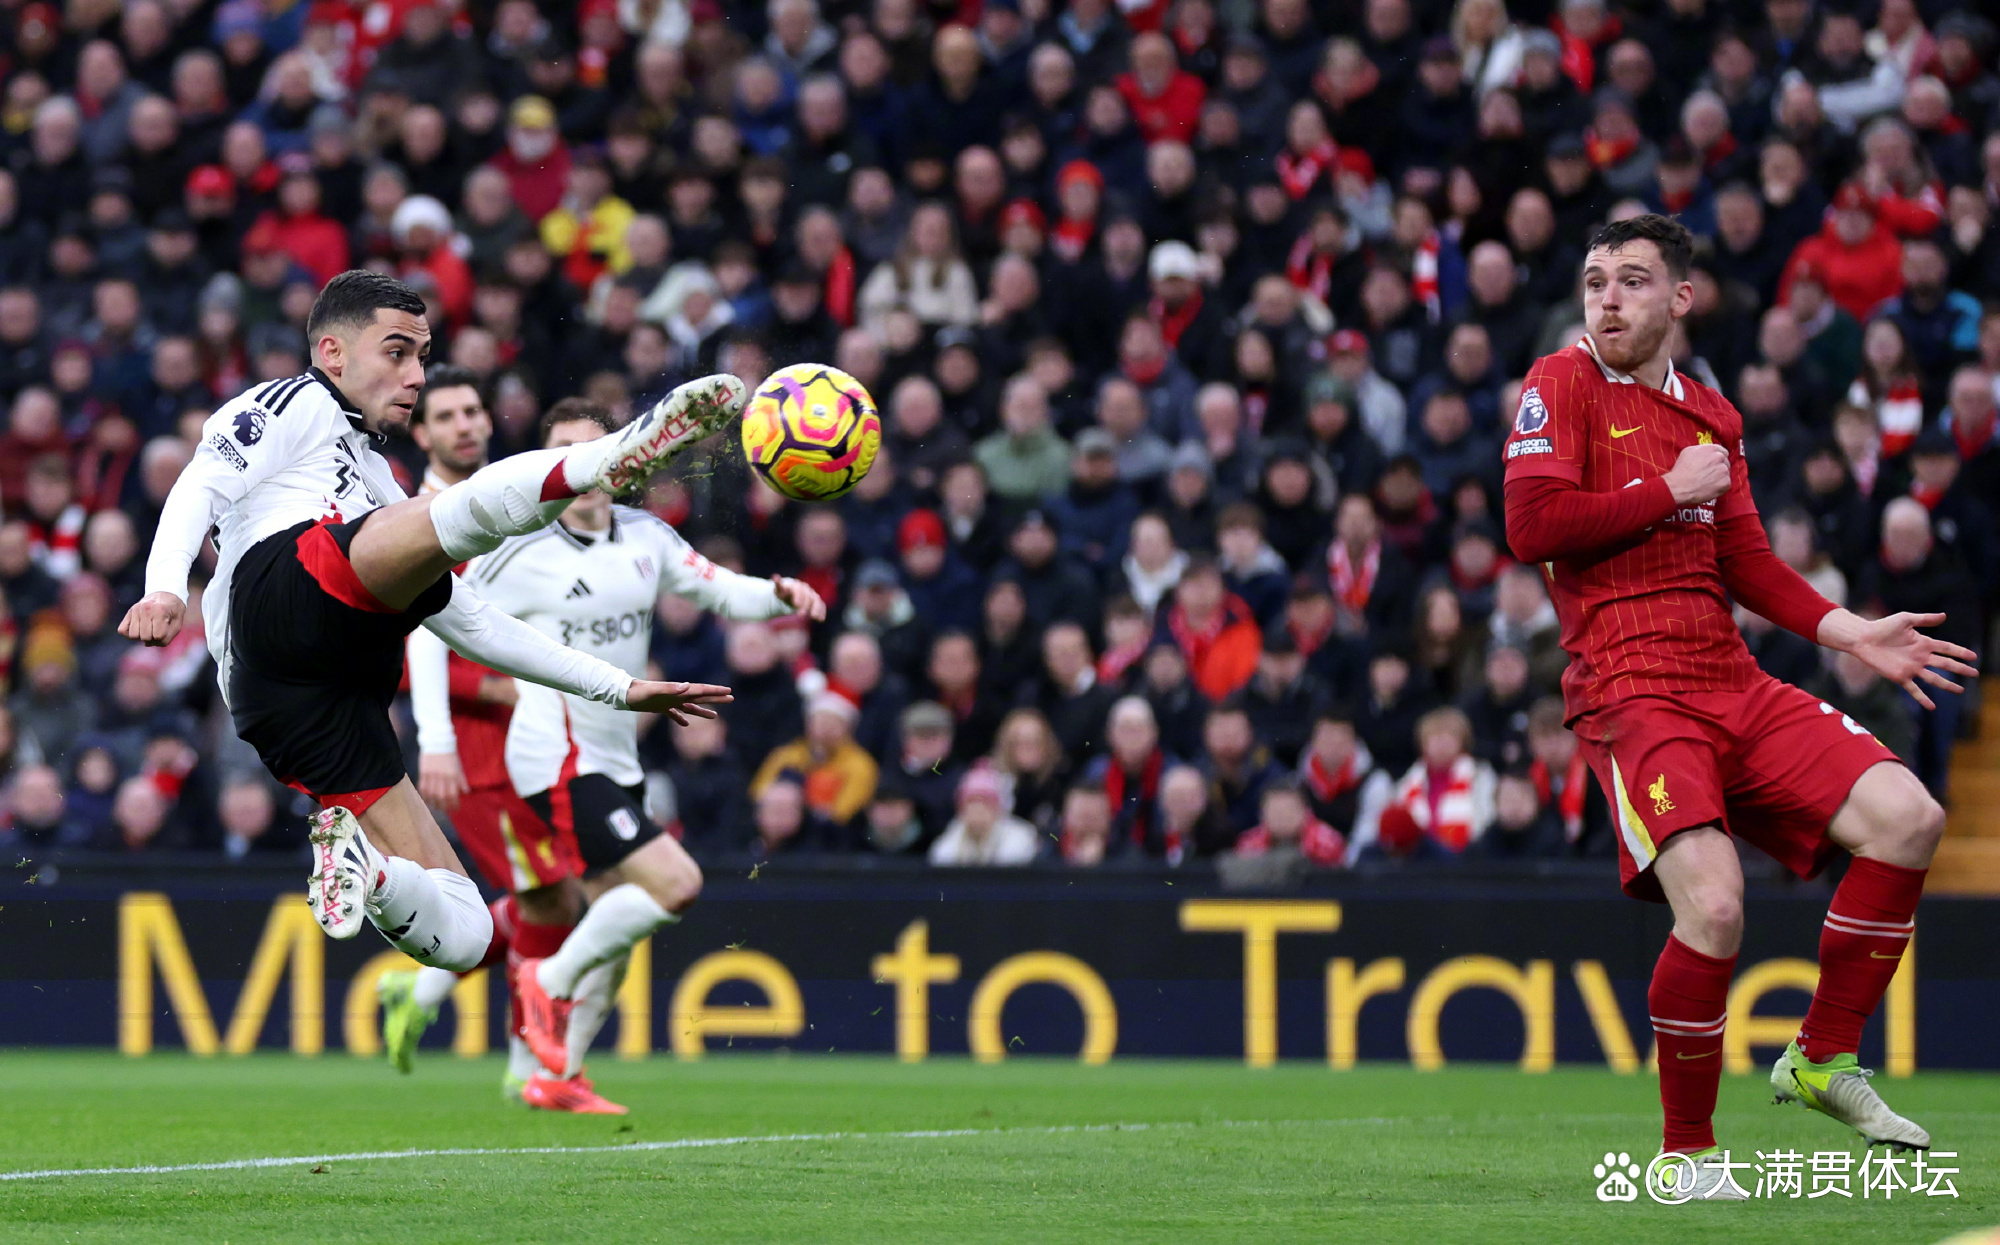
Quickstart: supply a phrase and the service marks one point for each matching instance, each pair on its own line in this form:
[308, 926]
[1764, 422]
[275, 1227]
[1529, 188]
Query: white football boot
[1839, 1088]
[692, 412]
[346, 870]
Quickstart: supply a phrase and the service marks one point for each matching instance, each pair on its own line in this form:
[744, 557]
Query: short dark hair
[1675, 243]
[571, 410]
[351, 300]
[446, 376]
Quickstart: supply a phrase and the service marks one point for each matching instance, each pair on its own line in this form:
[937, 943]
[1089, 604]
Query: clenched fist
[1700, 475]
[155, 620]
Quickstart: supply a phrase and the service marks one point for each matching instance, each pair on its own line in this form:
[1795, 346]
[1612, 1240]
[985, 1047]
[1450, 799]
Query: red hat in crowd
[1347, 341]
[1079, 168]
[211, 180]
[920, 529]
[1023, 212]
[1853, 197]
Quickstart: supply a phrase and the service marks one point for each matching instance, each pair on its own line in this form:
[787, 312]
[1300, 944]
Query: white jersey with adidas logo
[595, 591]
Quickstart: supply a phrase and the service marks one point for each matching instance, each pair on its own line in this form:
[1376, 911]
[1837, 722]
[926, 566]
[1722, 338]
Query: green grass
[1295, 1153]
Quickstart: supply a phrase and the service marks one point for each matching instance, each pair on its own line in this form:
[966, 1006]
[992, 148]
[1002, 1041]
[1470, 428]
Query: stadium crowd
[1195, 326]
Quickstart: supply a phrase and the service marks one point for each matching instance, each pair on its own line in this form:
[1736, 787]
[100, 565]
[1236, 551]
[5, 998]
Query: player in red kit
[1626, 481]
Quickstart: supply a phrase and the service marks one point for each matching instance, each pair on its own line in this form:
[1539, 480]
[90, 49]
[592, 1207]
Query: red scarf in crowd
[1352, 585]
[1118, 659]
[1971, 443]
[1424, 286]
[1143, 372]
[1115, 780]
[1309, 639]
[840, 288]
[1721, 150]
[1607, 153]
[1310, 269]
[1071, 238]
[1300, 173]
[1569, 801]
[1174, 321]
[1328, 785]
[1900, 415]
[1318, 842]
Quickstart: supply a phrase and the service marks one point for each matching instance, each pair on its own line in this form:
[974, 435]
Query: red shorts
[1769, 764]
[514, 849]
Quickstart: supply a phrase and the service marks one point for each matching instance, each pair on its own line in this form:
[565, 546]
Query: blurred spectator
[984, 833]
[1448, 793]
[839, 778]
[708, 782]
[247, 814]
[1521, 826]
[1085, 839]
[1915, 573]
[1286, 825]
[37, 812]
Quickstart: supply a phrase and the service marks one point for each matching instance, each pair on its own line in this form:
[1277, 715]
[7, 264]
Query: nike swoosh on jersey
[1622, 432]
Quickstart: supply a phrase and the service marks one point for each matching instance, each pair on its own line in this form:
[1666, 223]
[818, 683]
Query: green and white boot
[1839, 1088]
[403, 1018]
[521, 1064]
[1702, 1178]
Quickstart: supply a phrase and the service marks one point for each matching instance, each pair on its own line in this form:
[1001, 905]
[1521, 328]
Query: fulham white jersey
[595, 591]
[278, 454]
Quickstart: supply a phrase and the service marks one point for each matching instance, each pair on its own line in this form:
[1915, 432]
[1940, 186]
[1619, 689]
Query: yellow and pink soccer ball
[812, 431]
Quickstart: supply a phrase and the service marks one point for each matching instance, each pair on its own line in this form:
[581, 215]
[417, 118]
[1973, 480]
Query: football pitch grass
[834, 1149]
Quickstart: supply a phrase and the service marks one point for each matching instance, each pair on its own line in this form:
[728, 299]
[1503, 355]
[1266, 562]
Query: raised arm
[686, 573]
[487, 635]
[238, 449]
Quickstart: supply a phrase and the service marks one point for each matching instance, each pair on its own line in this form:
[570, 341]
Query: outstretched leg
[404, 548]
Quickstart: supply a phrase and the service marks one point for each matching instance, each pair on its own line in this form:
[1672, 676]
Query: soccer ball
[811, 431]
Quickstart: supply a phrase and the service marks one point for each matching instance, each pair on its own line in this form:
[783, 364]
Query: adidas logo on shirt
[577, 589]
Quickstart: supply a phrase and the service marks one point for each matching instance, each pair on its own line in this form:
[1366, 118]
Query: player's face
[592, 510]
[381, 369]
[456, 428]
[1630, 303]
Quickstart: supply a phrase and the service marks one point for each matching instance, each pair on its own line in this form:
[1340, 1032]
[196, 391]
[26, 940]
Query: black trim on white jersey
[352, 412]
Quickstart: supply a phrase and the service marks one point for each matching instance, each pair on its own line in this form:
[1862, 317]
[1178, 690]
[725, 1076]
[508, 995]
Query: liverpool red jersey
[1649, 612]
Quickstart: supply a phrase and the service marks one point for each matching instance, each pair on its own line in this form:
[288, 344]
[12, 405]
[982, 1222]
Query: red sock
[1861, 944]
[555, 485]
[1689, 1002]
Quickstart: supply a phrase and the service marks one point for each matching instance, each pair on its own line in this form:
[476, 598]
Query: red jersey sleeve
[1755, 577]
[1552, 424]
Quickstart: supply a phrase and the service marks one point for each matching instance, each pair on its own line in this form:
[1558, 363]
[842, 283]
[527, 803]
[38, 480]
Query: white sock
[620, 917]
[596, 994]
[521, 1062]
[434, 986]
[434, 916]
[500, 500]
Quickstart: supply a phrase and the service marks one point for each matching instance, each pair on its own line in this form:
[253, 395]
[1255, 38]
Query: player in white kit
[591, 581]
[324, 568]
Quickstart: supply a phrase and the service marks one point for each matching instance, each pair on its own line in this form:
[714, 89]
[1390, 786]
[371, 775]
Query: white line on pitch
[686, 1143]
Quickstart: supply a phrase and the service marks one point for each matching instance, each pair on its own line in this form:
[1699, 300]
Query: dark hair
[446, 376]
[1675, 243]
[351, 300]
[571, 410]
